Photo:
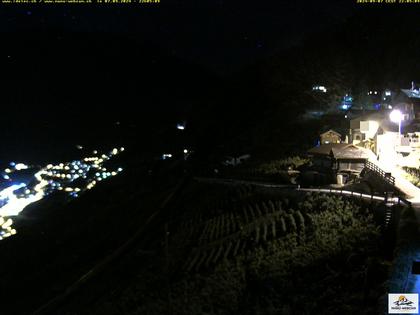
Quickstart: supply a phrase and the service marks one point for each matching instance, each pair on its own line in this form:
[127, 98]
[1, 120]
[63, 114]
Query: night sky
[220, 35]
[152, 65]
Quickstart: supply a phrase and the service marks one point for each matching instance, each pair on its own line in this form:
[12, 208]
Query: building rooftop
[331, 131]
[411, 93]
[342, 151]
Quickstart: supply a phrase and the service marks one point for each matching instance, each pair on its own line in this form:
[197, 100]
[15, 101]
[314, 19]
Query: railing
[387, 198]
[404, 201]
[394, 200]
[380, 172]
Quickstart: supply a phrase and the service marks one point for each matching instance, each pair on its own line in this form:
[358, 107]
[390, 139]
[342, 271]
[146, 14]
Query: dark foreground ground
[165, 242]
[243, 250]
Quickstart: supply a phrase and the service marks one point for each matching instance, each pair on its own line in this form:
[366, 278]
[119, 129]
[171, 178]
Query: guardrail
[394, 200]
[386, 198]
[380, 172]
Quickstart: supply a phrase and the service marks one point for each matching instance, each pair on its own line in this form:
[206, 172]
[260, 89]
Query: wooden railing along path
[380, 172]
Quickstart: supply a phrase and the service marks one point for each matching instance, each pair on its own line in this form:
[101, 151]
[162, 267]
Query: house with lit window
[330, 136]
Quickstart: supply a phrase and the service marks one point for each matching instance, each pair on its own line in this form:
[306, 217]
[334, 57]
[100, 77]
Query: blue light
[347, 102]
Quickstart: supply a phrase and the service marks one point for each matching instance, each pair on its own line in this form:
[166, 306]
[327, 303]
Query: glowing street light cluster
[72, 177]
[319, 88]
[6, 229]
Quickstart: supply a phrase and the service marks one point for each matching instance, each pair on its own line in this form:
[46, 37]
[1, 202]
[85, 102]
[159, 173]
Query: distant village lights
[62, 176]
[319, 88]
[347, 102]
[21, 166]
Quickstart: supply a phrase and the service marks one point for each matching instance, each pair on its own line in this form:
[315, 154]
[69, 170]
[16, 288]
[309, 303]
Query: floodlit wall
[369, 128]
[385, 148]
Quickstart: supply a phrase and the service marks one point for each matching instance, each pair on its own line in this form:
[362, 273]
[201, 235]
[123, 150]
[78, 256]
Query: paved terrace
[411, 191]
[409, 252]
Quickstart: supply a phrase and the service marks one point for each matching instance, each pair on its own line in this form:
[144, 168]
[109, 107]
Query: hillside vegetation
[243, 250]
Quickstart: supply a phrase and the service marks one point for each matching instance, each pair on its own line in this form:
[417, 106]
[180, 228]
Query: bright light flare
[395, 116]
[21, 166]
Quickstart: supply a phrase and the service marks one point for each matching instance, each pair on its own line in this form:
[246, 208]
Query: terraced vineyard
[238, 249]
[228, 234]
[245, 221]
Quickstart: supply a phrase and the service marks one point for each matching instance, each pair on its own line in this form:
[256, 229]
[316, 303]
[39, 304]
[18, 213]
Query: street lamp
[396, 117]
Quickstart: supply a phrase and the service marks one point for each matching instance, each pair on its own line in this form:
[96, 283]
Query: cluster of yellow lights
[52, 177]
[6, 229]
[78, 169]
